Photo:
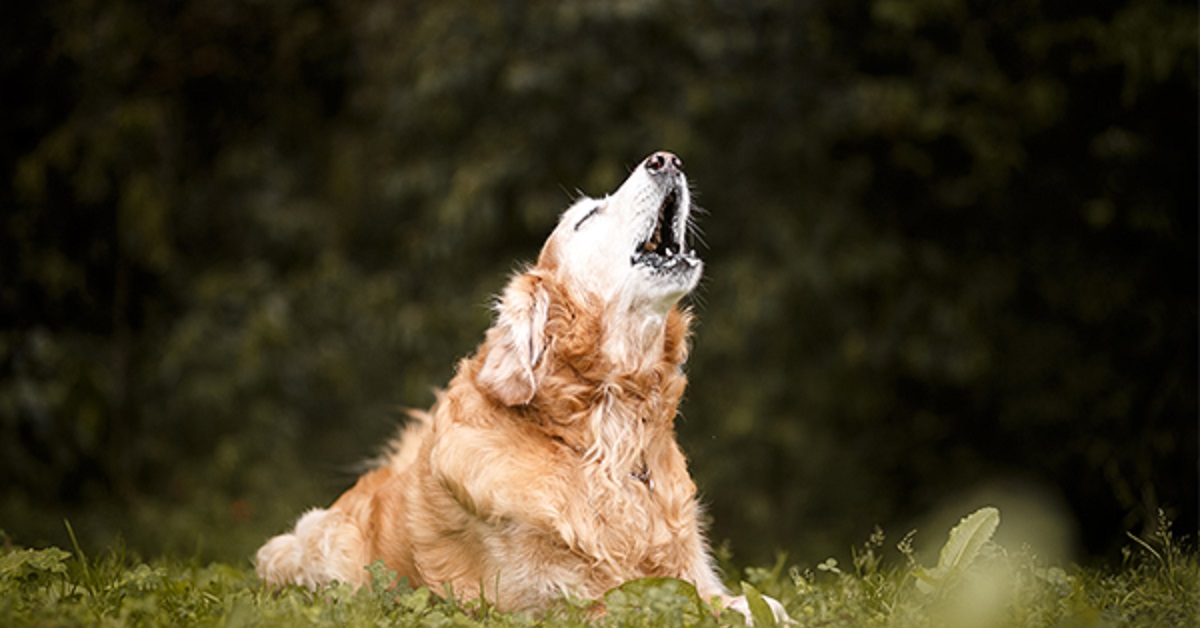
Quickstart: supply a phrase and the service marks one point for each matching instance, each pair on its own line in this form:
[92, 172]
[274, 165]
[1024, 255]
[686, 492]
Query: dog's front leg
[708, 584]
[496, 480]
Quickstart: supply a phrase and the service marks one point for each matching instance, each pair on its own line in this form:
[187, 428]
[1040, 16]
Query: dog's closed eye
[585, 218]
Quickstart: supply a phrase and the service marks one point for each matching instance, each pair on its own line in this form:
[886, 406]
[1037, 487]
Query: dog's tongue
[651, 245]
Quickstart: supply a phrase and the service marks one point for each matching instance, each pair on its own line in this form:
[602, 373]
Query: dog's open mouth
[665, 247]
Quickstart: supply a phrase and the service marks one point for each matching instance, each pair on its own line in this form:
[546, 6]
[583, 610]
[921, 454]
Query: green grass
[974, 583]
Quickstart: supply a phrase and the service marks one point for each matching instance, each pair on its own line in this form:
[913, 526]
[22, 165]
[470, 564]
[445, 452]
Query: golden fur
[549, 465]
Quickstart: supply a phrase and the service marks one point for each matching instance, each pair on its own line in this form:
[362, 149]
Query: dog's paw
[279, 561]
[742, 605]
[324, 547]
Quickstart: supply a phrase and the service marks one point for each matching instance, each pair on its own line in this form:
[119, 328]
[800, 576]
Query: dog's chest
[639, 515]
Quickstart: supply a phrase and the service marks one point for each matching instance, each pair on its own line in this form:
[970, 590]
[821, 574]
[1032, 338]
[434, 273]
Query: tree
[946, 242]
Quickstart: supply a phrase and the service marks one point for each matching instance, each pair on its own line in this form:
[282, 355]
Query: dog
[549, 466]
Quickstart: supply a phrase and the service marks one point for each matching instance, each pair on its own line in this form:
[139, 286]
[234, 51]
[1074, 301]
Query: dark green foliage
[947, 242]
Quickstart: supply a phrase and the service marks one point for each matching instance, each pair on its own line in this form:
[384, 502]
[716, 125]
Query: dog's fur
[549, 466]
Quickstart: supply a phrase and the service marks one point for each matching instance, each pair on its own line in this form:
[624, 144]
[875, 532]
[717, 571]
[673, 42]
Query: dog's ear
[516, 341]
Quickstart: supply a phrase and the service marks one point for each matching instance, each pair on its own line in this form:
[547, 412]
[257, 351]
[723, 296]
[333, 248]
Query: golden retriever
[549, 466]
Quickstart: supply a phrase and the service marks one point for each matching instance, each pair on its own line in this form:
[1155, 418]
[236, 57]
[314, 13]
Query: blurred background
[951, 248]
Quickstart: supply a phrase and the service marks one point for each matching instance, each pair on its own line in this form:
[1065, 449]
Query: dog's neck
[626, 342]
[608, 381]
[634, 341]
[639, 388]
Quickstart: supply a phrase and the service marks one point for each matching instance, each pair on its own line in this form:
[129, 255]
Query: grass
[974, 583]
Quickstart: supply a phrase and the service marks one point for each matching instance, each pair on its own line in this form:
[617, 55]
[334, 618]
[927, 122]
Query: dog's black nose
[662, 161]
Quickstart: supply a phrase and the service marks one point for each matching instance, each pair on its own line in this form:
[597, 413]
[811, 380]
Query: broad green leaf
[961, 548]
[967, 538]
[642, 586]
[759, 609]
[663, 598]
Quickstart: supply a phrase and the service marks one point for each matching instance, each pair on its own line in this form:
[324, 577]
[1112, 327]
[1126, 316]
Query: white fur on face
[600, 243]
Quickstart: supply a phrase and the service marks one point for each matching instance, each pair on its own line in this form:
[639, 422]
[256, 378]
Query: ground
[974, 583]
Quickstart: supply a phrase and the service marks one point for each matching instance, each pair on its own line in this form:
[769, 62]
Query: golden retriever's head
[606, 284]
[630, 249]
